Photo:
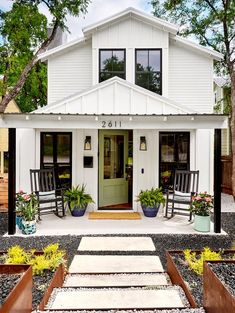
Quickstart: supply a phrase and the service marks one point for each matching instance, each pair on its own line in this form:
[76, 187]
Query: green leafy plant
[26, 205]
[76, 197]
[202, 204]
[195, 261]
[151, 197]
[49, 260]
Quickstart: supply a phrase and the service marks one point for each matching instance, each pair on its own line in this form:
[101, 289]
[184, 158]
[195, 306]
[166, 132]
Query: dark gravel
[226, 274]
[7, 283]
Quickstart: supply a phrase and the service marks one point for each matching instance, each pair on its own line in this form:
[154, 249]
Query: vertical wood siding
[69, 73]
[190, 79]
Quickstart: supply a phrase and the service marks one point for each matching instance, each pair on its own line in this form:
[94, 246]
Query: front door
[113, 157]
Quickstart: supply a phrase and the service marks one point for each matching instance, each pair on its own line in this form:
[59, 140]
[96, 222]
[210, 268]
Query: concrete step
[118, 298]
[116, 280]
[91, 264]
[116, 244]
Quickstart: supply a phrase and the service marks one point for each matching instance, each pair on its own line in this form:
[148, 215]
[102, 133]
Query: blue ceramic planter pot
[150, 211]
[78, 211]
[19, 222]
[28, 227]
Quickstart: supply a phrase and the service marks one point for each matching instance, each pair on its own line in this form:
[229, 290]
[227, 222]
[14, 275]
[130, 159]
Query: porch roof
[113, 121]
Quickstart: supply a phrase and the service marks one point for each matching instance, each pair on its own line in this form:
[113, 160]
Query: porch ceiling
[113, 121]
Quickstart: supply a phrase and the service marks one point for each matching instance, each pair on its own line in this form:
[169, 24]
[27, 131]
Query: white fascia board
[77, 121]
[211, 53]
[157, 22]
[60, 49]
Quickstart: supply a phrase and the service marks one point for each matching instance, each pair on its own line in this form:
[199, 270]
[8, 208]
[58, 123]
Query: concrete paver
[115, 264]
[117, 299]
[116, 244]
[116, 280]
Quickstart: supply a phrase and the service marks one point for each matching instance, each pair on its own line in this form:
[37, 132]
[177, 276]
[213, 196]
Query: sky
[97, 10]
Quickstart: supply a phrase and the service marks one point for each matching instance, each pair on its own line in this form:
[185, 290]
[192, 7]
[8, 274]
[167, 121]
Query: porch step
[115, 280]
[118, 298]
[116, 244]
[97, 264]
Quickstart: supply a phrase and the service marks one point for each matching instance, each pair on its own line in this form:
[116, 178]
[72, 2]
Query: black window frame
[54, 156]
[116, 49]
[138, 72]
[175, 164]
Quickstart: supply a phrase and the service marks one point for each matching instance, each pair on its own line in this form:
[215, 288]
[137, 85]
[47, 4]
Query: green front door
[113, 154]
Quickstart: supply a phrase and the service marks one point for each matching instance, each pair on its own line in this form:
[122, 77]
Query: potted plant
[27, 208]
[150, 201]
[77, 200]
[201, 207]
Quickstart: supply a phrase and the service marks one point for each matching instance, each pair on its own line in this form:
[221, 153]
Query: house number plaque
[111, 124]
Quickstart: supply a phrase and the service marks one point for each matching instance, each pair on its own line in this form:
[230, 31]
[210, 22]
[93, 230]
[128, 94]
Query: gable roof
[132, 12]
[116, 96]
[144, 17]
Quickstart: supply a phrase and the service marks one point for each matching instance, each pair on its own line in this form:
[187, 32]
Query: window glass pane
[113, 156]
[47, 152]
[118, 61]
[142, 60]
[63, 148]
[105, 60]
[142, 80]
[105, 76]
[154, 82]
[154, 60]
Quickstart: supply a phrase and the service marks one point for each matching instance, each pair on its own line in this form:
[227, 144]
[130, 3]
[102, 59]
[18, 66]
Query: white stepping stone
[91, 264]
[116, 244]
[117, 299]
[116, 280]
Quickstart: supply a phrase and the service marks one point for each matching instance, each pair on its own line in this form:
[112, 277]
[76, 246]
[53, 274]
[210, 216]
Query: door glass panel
[47, 152]
[63, 148]
[113, 156]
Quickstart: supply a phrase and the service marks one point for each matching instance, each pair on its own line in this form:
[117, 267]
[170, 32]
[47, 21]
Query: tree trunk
[233, 129]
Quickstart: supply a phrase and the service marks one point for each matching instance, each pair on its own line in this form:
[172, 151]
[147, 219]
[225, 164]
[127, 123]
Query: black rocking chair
[185, 187]
[50, 199]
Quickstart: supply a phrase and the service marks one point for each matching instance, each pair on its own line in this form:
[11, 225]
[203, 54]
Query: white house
[128, 103]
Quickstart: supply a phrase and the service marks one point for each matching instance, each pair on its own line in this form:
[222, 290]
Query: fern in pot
[77, 200]
[150, 201]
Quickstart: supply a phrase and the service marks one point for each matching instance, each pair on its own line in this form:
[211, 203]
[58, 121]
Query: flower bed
[219, 286]
[16, 282]
[182, 275]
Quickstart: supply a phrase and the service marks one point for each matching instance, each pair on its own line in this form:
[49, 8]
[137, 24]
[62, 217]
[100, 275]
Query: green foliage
[26, 205]
[151, 197]
[195, 261]
[202, 204]
[51, 258]
[76, 197]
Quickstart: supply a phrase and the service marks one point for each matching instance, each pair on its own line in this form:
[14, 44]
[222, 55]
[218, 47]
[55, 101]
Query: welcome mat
[114, 216]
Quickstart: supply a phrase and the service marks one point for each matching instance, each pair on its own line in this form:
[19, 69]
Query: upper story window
[112, 63]
[148, 69]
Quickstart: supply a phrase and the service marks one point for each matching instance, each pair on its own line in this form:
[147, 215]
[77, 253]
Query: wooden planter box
[177, 278]
[217, 298]
[20, 297]
[56, 282]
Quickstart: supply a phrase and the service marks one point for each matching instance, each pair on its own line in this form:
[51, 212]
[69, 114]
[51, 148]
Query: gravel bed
[3, 223]
[226, 273]
[7, 283]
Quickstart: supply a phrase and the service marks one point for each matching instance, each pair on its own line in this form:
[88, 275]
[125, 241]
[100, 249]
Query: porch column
[217, 181]
[11, 181]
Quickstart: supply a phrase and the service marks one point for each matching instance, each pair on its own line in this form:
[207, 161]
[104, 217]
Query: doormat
[114, 216]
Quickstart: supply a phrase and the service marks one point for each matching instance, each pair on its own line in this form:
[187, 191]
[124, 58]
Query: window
[174, 155]
[149, 69]
[56, 151]
[112, 63]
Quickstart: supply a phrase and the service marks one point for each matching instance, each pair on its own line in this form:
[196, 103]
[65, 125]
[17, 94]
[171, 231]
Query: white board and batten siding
[190, 78]
[70, 72]
[130, 34]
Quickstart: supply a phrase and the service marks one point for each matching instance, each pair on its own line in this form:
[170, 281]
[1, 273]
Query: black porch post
[217, 181]
[11, 181]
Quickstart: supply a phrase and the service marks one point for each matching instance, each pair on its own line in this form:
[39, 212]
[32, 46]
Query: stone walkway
[116, 282]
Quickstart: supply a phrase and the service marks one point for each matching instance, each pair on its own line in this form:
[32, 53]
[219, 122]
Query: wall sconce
[143, 144]
[87, 143]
